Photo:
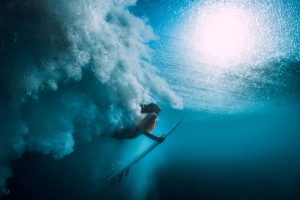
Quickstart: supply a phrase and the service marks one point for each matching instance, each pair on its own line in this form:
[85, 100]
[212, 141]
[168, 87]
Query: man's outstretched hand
[162, 138]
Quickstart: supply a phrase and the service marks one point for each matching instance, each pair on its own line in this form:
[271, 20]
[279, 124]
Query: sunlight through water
[223, 34]
[232, 56]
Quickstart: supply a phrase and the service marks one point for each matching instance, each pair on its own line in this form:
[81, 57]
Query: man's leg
[126, 133]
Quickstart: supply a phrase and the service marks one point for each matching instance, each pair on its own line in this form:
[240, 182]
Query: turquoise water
[240, 138]
[74, 70]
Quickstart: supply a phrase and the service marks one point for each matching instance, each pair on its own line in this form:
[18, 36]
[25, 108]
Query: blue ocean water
[240, 136]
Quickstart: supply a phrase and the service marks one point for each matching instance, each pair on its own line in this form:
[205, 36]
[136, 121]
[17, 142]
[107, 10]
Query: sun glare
[223, 35]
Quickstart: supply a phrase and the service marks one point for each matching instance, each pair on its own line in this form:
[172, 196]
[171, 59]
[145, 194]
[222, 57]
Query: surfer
[144, 126]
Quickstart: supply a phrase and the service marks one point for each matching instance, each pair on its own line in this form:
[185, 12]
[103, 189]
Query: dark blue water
[73, 71]
[240, 139]
[244, 156]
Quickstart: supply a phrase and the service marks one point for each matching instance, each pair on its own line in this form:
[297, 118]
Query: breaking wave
[71, 70]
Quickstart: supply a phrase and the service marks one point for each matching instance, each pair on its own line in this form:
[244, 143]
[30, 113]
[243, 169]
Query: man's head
[149, 108]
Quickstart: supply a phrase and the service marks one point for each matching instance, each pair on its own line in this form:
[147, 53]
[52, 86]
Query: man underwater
[144, 126]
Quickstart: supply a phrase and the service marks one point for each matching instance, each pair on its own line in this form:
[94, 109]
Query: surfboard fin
[118, 178]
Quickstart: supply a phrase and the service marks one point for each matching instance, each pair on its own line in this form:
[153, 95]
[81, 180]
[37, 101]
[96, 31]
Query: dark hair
[149, 108]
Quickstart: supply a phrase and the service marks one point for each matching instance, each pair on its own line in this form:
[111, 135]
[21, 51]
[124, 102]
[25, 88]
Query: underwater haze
[74, 72]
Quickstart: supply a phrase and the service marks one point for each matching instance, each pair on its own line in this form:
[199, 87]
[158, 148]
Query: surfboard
[116, 177]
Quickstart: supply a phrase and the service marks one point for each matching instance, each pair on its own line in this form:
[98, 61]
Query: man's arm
[154, 137]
